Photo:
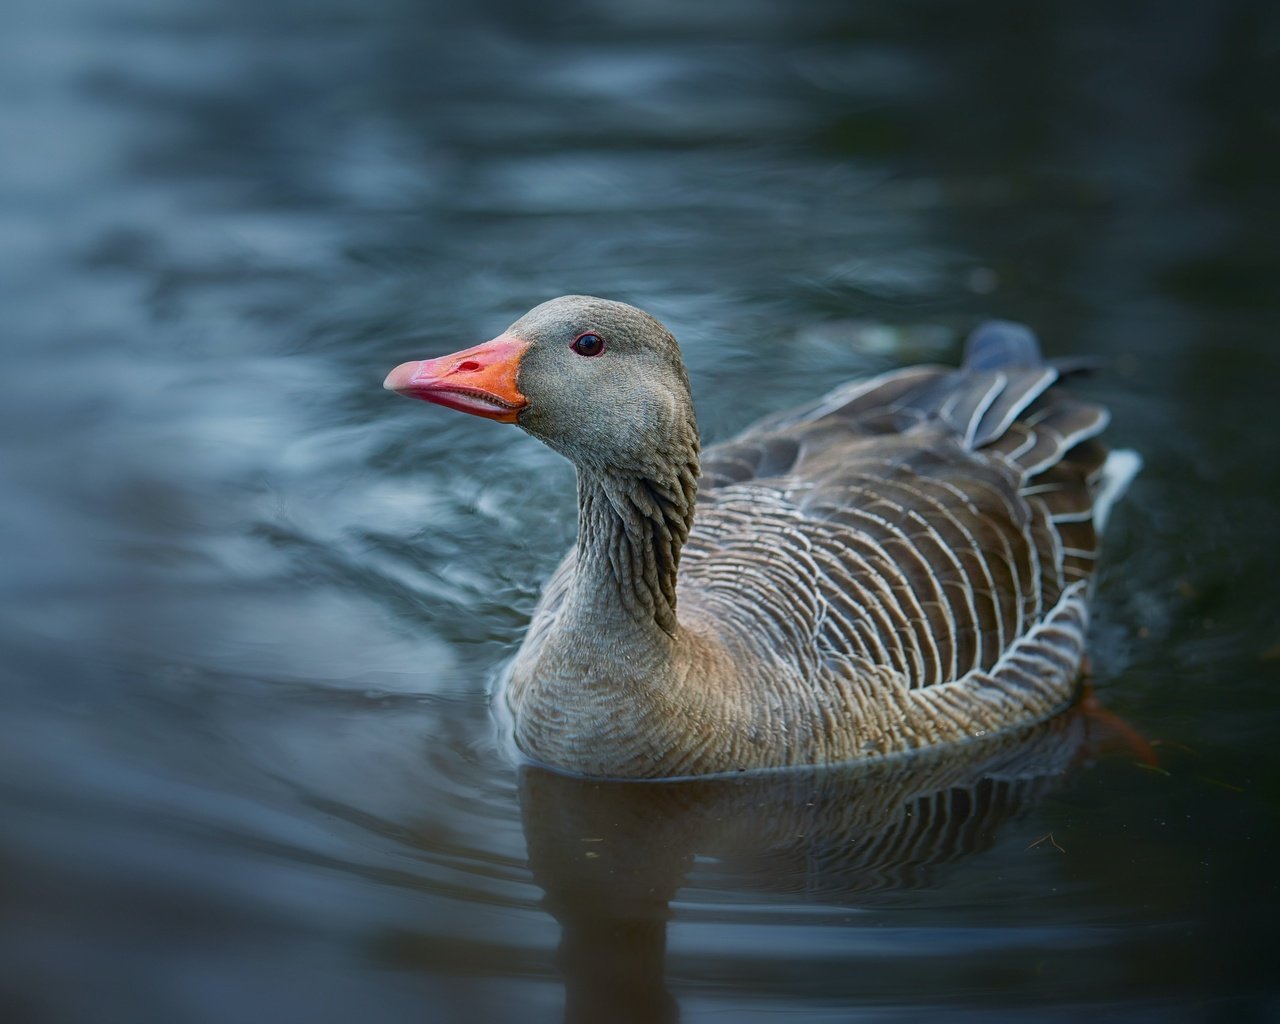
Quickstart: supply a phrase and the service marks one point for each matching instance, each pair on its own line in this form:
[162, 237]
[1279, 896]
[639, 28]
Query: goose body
[901, 564]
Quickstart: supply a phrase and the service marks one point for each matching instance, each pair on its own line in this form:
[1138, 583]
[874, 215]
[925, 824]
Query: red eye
[588, 344]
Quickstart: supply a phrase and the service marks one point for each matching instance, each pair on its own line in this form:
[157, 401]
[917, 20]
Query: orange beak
[480, 380]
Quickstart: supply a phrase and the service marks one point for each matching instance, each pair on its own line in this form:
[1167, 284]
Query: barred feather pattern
[920, 542]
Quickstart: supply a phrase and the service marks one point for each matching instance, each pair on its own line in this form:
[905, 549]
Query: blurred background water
[252, 605]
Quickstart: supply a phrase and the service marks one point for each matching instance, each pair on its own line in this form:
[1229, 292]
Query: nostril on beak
[470, 366]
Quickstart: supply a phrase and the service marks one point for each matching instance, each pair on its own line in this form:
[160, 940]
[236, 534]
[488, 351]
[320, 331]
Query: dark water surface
[253, 604]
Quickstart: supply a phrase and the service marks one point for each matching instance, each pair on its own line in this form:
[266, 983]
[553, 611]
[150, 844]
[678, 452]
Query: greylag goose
[901, 564]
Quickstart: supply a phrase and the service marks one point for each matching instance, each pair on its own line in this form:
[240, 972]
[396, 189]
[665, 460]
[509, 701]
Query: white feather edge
[1118, 473]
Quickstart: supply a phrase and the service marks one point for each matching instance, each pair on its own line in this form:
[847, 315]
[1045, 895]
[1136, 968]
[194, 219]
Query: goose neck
[631, 528]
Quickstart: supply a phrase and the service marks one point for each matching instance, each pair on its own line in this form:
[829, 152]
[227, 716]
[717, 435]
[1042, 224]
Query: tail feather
[1002, 345]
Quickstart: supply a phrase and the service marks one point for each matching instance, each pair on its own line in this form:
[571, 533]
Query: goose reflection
[611, 856]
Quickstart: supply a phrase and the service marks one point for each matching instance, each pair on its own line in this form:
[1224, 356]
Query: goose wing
[928, 520]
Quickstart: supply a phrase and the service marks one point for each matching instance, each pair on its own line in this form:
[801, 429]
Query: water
[253, 604]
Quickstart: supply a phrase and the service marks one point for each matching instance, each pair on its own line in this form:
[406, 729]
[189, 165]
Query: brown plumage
[897, 565]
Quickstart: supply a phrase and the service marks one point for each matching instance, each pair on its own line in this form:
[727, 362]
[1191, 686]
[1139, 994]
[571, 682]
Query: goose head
[599, 381]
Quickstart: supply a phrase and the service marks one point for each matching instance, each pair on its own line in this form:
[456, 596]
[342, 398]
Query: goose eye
[588, 344]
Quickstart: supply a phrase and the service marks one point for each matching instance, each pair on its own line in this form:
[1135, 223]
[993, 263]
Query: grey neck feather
[631, 527]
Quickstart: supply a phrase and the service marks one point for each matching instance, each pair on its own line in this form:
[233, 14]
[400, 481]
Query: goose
[901, 564]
